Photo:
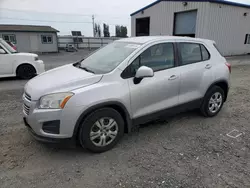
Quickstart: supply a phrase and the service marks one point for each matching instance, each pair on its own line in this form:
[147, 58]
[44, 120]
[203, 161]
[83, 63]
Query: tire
[209, 109]
[91, 126]
[26, 71]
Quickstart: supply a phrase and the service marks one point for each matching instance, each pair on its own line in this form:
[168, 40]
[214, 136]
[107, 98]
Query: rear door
[195, 71]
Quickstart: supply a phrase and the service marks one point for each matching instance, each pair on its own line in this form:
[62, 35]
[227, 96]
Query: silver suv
[126, 83]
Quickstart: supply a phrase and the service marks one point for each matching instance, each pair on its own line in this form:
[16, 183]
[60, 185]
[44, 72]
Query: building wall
[225, 24]
[162, 17]
[228, 27]
[48, 47]
[32, 42]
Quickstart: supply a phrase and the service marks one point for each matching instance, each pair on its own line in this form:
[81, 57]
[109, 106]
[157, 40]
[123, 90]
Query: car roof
[147, 39]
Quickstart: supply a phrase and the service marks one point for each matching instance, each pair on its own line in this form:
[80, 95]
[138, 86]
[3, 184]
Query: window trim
[47, 39]
[126, 73]
[14, 42]
[209, 55]
[179, 53]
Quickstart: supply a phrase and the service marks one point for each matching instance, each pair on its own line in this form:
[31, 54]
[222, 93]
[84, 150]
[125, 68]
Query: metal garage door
[185, 23]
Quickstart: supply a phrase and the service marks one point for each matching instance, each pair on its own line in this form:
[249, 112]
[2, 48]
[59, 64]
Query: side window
[46, 39]
[205, 53]
[9, 38]
[158, 57]
[217, 49]
[190, 53]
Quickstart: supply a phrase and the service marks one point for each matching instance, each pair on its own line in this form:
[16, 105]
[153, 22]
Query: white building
[226, 22]
[31, 38]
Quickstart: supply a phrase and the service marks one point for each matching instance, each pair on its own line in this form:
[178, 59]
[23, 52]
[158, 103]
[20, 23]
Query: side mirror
[2, 51]
[141, 73]
[144, 72]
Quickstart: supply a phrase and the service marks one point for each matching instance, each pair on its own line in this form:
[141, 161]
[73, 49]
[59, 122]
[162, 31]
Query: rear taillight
[228, 66]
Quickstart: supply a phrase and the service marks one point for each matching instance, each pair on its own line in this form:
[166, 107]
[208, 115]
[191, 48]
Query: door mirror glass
[144, 72]
[2, 51]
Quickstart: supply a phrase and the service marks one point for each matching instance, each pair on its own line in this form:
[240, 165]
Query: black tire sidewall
[21, 73]
[205, 107]
[86, 125]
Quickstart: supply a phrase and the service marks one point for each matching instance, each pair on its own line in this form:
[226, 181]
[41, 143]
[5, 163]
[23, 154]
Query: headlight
[36, 58]
[55, 101]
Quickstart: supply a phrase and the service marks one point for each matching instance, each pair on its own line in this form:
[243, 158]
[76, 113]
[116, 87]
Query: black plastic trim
[216, 83]
[52, 127]
[128, 120]
[168, 112]
[46, 139]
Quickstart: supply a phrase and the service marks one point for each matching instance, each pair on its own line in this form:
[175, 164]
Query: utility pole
[93, 22]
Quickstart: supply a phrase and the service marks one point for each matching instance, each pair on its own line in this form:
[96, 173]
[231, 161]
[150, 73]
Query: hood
[25, 54]
[61, 79]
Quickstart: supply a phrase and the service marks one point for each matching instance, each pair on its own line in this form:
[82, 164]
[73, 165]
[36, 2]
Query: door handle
[173, 77]
[208, 66]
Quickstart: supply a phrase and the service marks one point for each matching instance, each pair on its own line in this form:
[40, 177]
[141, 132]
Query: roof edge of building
[48, 28]
[211, 1]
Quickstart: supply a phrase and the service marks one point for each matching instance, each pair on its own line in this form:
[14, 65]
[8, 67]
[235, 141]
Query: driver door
[5, 63]
[160, 91]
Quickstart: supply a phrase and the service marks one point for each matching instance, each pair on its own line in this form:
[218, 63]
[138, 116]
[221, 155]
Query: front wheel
[101, 130]
[213, 102]
[26, 71]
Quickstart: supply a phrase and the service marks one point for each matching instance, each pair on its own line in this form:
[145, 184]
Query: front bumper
[43, 138]
[35, 119]
[40, 67]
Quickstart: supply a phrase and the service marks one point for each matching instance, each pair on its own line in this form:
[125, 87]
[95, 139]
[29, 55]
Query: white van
[23, 65]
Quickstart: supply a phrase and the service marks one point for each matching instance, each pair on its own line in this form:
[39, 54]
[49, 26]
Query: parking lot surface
[186, 150]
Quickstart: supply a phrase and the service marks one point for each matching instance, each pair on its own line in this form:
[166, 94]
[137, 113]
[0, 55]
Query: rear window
[217, 49]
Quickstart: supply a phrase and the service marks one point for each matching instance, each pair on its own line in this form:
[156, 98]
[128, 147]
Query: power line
[54, 21]
[16, 10]
[57, 21]
[68, 14]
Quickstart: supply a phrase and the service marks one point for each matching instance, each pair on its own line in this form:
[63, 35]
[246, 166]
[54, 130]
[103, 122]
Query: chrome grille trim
[26, 109]
[27, 96]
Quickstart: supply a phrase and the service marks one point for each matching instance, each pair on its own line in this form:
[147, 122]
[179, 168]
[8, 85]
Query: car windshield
[7, 46]
[108, 57]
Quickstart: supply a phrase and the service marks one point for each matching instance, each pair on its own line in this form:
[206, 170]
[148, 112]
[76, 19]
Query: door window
[193, 53]
[158, 57]
[190, 53]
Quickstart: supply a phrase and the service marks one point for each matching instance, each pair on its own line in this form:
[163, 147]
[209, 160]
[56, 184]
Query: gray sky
[34, 12]
[106, 11]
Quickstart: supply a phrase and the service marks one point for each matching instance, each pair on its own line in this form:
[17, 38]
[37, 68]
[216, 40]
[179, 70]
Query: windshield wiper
[78, 64]
[86, 69]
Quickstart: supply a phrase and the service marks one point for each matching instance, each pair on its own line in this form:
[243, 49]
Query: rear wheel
[213, 101]
[26, 71]
[101, 130]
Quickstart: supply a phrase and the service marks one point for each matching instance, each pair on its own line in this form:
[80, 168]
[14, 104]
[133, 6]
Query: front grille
[26, 109]
[27, 96]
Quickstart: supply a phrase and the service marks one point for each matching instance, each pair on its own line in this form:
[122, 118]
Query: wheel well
[123, 114]
[117, 107]
[23, 65]
[224, 86]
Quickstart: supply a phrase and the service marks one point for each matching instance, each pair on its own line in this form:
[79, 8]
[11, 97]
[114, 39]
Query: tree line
[120, 31]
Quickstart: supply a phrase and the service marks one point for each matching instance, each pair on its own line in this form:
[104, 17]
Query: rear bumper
[46, 139]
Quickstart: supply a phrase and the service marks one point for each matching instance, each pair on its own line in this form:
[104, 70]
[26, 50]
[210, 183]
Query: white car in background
[23, 65]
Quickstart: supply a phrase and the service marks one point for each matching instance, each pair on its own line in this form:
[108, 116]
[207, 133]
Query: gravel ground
[186, 150]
